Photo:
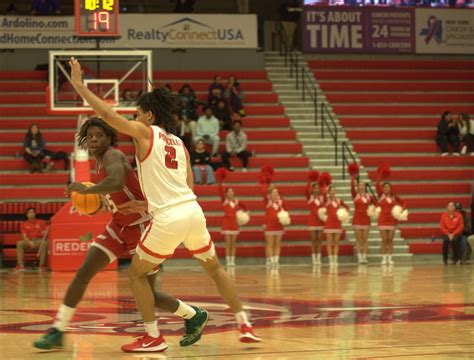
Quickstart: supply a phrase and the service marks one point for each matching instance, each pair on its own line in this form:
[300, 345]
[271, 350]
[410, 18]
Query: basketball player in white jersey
[166, 180]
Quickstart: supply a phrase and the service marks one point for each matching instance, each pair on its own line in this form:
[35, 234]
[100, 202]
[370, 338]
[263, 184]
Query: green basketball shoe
[53, 339]
[194, 327]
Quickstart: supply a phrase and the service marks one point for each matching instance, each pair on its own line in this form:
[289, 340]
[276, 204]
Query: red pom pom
[221, 174]
[313, 176]
[268, 170]
[324, 179]
[384, 171]
[353, 169]
[264, 178]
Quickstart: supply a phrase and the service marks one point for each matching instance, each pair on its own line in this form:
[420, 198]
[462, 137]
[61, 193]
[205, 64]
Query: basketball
[86, 204]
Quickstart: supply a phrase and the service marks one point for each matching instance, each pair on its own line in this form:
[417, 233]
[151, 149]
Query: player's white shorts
[183, 223]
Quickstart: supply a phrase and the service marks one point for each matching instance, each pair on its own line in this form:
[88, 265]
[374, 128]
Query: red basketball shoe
[247, 335]
[146, 344]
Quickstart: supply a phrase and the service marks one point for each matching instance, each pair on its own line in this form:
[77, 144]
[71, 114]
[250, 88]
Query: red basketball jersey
[130, 191]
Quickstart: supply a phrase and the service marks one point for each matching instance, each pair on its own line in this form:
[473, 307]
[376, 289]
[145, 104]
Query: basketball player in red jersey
[118, 184]
[166, 180]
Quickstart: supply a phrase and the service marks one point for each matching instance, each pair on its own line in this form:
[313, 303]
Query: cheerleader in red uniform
[333, 226]
[316, 196]
[361, 220]
[230, 227]
[274, 230]
[386, 222]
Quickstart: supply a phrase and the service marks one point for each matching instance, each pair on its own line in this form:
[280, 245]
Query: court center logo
[118, 316]
[433, 30]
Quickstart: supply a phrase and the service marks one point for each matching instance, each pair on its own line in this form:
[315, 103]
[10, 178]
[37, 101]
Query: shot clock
[96, 18]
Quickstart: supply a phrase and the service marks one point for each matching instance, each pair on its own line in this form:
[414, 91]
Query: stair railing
[328, 123]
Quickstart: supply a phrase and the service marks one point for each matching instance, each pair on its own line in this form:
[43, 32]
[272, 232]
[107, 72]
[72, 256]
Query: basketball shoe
[247, 335]
[146, 343]
[53, 339]
[194, 327]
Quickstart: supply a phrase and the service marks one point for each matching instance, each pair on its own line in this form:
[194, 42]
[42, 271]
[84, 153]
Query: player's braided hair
[95, 121]
[164, 106]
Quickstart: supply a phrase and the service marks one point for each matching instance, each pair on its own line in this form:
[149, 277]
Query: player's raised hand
[131, 207]
[76, 72]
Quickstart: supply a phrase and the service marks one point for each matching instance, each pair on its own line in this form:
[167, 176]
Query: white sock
[318, 257]
[389, 257]
[330, 259]
[313, 256]
[277, 259]
[185, 311]
[232, 259]
[63, 316]
[242, 318]
[335, 259]
[359, 257]
[152, 329]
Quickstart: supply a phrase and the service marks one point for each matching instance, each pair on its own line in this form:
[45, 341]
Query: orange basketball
[86, 203]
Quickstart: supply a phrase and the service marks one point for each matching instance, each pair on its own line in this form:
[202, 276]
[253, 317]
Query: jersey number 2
[170, 158]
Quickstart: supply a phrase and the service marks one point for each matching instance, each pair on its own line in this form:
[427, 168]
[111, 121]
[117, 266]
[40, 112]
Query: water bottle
[433, 239]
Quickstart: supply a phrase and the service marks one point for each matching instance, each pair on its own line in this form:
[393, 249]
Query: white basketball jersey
[163, 172]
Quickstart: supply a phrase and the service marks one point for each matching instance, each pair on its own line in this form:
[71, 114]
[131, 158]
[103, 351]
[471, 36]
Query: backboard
[118, 77]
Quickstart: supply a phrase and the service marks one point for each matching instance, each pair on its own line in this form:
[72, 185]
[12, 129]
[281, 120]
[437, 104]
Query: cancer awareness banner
[358, 30]
[137, 31]
[445, 31]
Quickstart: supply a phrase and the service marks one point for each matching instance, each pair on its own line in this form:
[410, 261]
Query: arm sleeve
[353, 190]
[374, 201]
[23, 229]
[243, 144]
[26, 143]
[401, 202]
[228, 143]
[215, 129]
[199, 131]
[442, 127]
[443, 227]
[460, 227]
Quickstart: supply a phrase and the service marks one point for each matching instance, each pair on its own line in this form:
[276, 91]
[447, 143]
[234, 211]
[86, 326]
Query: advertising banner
[358, 30]
[445, 31]
[137, 31]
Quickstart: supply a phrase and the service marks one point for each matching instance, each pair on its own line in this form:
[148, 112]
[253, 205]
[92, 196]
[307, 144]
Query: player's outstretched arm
[134, 129]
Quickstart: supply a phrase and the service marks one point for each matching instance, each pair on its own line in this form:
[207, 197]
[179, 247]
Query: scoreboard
[96, 18]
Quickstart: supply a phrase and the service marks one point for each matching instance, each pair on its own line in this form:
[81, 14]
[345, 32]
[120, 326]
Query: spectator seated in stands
[216, 84]
[45, 7]
[451, 226]
[465, 247]
[448, 134]
[234, 96]
[236, 145]
[190, 102]
[33, 233]
[207, 129]
[466, 131]
[201, 161]
[221, 112]
[37, 156]
[214, 98]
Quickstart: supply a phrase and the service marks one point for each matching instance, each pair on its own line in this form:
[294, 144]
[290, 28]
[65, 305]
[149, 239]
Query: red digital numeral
[101, 17]
[170, 158]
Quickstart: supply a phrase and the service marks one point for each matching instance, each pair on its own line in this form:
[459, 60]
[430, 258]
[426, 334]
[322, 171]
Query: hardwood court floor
[404, 312]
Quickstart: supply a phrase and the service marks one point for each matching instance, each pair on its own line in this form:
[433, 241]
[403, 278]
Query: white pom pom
[399, 214]
[242, 217]
[323, 214]
[343, 215]
[284, 218]
[373, 212]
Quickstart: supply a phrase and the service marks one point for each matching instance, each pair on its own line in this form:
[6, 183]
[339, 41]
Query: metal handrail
[290, 54]
[345, 162]
[332, 131]
[307, 84]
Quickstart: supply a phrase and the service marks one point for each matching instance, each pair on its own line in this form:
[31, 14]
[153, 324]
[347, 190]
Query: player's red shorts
[116, 240]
